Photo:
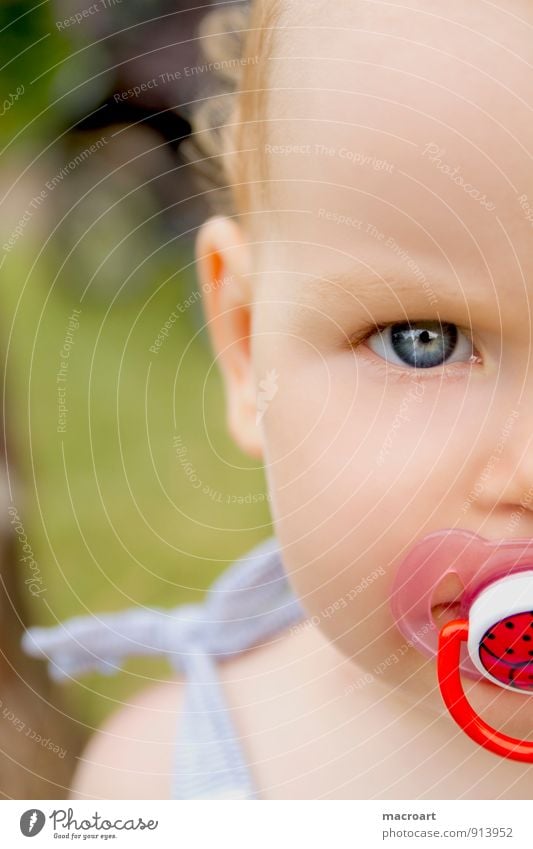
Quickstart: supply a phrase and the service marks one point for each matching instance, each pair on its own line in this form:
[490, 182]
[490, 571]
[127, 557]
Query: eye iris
[424, 345]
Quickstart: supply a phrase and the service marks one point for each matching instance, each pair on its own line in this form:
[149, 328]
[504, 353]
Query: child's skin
[365, 456]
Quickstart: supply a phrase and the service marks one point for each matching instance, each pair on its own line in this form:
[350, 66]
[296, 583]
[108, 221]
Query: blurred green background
[112, 514]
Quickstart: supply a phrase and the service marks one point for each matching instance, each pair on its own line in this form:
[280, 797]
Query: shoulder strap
[209, 761]
[250, 601]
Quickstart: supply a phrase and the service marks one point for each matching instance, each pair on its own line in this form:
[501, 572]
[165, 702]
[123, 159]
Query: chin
[509, 712]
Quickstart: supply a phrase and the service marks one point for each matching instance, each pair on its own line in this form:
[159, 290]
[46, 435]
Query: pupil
[424, 344]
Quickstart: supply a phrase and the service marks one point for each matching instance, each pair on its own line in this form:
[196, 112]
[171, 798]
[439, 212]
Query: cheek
[349, 451]
[356, 468]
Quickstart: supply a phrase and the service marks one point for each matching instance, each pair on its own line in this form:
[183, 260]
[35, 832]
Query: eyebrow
[399, 287]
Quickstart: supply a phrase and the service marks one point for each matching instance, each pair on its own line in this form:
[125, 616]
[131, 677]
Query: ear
[223, 260]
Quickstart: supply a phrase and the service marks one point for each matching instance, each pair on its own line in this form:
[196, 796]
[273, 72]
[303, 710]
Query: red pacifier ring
[449, 652]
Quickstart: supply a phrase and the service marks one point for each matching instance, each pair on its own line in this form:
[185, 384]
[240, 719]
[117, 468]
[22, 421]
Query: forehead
[414, 121]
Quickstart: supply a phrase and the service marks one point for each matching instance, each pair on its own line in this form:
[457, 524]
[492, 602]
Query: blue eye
[421, 344]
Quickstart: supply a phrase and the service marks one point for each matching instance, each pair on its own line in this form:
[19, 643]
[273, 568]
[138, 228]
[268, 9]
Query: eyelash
[385, 368]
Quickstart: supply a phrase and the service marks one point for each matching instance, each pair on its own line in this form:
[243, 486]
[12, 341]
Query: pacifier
[490, 632]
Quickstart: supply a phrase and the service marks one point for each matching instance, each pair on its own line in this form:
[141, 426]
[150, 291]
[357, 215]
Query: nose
[506, 478]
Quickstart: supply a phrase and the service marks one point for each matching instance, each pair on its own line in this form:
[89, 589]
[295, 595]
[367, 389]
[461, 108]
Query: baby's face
[393, 288]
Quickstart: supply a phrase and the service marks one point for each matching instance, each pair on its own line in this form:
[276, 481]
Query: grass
[112, 515]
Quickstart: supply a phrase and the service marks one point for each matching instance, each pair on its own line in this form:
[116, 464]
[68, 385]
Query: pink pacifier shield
[475, 562]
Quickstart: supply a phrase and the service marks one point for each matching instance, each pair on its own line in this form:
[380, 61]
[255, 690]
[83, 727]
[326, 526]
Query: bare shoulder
[131, 756]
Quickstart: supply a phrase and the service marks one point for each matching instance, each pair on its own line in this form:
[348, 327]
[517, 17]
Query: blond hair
[227, 121]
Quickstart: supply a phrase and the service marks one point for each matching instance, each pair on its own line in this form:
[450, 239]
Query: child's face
[400, 189]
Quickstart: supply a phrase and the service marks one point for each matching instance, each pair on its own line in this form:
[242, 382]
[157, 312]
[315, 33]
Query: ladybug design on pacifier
[506, 651]
[494, 622]
[500, 640]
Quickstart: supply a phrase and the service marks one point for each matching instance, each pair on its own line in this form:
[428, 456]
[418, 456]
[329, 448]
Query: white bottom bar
[267, 825]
